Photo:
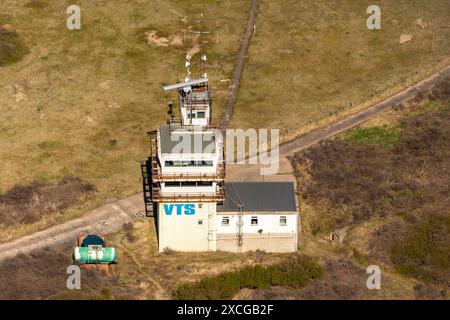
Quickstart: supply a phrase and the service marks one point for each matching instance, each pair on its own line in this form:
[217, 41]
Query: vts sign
[179, 209]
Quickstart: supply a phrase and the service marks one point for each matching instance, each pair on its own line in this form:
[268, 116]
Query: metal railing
[217, 176]
[218, 196]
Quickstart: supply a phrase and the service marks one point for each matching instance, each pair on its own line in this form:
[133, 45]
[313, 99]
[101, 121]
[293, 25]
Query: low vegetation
[386, 184]
[27, 204]
[12, 48]
[384, 136]
[368, 175]
[42, 275]
[295, 272]
[424, 251]
[343, 280]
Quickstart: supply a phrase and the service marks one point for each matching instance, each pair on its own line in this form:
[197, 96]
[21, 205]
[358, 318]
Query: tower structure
[185, 172]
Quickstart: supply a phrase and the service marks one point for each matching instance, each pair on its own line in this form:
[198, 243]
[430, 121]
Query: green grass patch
[385, 136]
[294, 272]
[424, 252]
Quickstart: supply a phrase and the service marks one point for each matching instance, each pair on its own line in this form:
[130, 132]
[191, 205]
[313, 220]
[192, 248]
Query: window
[254, 221]
[204, 183]
[189, 115]
[189, 163]
[200, 222]
[226, 221]
[283, 221]
[172, 184]
[201, 114]
[188, 184]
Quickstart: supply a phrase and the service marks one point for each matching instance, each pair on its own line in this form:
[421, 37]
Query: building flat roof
[259, 197]
[196, 141]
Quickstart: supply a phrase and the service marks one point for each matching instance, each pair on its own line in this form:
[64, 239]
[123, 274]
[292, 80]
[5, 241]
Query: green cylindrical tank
[87, 255]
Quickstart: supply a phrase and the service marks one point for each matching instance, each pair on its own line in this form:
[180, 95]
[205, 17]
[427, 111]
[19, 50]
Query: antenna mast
[202, 53]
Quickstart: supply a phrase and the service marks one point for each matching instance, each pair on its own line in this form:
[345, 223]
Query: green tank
[101, 256]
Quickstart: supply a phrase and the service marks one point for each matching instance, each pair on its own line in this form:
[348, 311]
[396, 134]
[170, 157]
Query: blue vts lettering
[180, 208]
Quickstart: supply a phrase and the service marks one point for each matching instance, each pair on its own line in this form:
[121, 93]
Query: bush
[294, 272]
[424, 251]
[11, 47]
[26, 204]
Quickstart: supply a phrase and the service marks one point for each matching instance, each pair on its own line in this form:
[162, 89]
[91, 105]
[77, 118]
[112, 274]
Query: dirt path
[225, 119]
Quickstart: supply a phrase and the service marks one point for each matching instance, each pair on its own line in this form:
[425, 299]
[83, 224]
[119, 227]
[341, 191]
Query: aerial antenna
[202, 53]
[188, 68]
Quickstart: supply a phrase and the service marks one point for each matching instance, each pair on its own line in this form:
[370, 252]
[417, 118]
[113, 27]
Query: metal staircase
[148, 169]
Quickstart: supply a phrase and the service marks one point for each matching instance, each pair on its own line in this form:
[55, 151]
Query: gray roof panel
[259, 197]
[198, 142]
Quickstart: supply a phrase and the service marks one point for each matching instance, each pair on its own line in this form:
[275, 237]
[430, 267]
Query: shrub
[294, 272]
[26, 204]
[12, 48]
[424, 251]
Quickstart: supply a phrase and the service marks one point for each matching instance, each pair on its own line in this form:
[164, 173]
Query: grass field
[80, 102]
[311, 62]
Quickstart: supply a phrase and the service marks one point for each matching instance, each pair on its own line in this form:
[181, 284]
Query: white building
[185, 189]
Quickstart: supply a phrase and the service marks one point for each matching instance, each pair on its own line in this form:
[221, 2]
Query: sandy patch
[405, 38]
[114, 105]
[176, 41]
[285, 51]
[90, 121]
[19, 93]
[7, 27]
[154, 40]
[103, 86]
[421, 24]
[194, 50]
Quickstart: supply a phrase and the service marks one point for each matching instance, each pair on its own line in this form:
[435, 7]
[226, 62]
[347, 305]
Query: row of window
[254, 221]
[188, 184]
[198, 115]
[189, 163]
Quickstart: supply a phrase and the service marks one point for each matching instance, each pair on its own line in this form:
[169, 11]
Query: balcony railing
[217, 176]
[218, 196]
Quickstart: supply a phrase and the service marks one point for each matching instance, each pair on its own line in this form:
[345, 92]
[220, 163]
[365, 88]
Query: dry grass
[312, 62]
[28, 204]
[81, 101]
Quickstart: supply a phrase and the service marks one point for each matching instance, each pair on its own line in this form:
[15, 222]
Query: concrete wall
[267, 222]
[269, 242]
[180, 230]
